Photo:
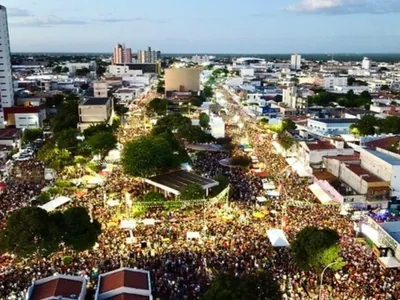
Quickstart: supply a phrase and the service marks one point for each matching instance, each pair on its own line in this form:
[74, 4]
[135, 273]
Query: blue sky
[205, 26]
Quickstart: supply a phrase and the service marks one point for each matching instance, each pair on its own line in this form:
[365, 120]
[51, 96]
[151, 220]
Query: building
[127, 56]
[126, 95]
[331, 81]
[366, 64]
[10, 137]
[94, 111]
[24, 117]
[6, 84]
[198, 59]
[384, 164]
[58, 287]
[312, 153]
[100, 89]
[148, 56]
[330, 126]
[182, 82]
[134, 69]
[117, 54]
[73, 67]
[124, 283]
[295, 62]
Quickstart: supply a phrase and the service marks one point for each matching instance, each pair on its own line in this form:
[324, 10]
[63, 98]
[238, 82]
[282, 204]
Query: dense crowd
[232, 240]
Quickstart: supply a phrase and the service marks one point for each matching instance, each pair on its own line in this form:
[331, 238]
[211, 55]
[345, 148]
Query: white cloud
[345, 6]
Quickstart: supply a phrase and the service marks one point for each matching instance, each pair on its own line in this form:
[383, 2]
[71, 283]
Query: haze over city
[208, 26]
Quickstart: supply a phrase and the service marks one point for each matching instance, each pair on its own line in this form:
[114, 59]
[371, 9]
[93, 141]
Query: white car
[23, 158]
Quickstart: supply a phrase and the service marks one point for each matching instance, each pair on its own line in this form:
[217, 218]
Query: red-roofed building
[10, 137]
[312, 153]
[124, 283]
[59, 287]
[24, 117]
[388, 143]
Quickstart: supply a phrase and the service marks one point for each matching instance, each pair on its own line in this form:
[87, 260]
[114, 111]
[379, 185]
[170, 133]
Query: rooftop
[324, 175]
[57, 286]
[320, 145]
[345, 158]
[385, 157]
[384, 143]
[365, 174]
[176, 181]
[336, 121]
[393, 228]
[125, 296]
[8, 133]
[96, 101]
[123, 278]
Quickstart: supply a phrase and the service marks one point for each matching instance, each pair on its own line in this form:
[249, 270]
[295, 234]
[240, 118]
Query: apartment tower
[6, 86]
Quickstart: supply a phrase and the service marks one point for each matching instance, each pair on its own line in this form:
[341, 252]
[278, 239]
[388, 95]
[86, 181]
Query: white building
[330, 126]
[247, 72]
[100, 89]
[345, 89]
[217, 126]
[384, 164]
[198, 59]
[313, 153]
[366, 63]
[331, 81]
[295, 62]
[125, 95]
[6, 85]
[121, 70]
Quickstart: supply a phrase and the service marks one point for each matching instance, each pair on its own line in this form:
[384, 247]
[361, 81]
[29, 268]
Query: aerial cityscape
[147, 157]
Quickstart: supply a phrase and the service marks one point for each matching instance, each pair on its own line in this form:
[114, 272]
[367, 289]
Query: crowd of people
[232, 239]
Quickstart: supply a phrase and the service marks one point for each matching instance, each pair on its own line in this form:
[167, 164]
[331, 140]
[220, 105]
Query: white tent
[277, 238]
[268, 185]
[389, 262]
[322, 196]
[261, 199]
[273, 193]
[53, 204]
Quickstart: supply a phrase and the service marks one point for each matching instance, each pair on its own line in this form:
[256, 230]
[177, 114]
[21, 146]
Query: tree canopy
[204, 120]
[159, 106]
[67, 139]
[31, 134]
[148, 155]
[192, 192]
[370, 125]
[324, 98]
[259, 286]
[317, 248]
[102, 142]
[80, 232]
[94, 129]
[67, 114]
[54, 157]
[31, 230]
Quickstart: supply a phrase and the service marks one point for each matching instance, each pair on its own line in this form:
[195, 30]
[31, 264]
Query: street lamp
[322, 278]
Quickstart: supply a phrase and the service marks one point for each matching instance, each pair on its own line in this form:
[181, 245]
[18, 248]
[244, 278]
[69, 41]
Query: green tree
[82, 72]
[57, 70]
[94, 129]
[158, 106]
[288, 125]
[197, 101]
[317, 248]
[30, 230]
[192, 192]
[147, 155]
[43, 198]
[278, 98]
[54, 157]
[153, 196]
[67, 139]
[30, 135]
[102, 142]
[223, 182]
[385, 87]
[120, 109]
[67, 114]
[259, 286]
[64, 70]
[208, 91]
[80, 232]
[365, 126]
[286, 140]
[204, 120]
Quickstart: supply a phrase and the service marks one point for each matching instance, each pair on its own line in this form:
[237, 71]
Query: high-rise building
[127, 56]
[295, 62]
[6, 85]
[148, 56]
[366, 63]
[118, 54]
